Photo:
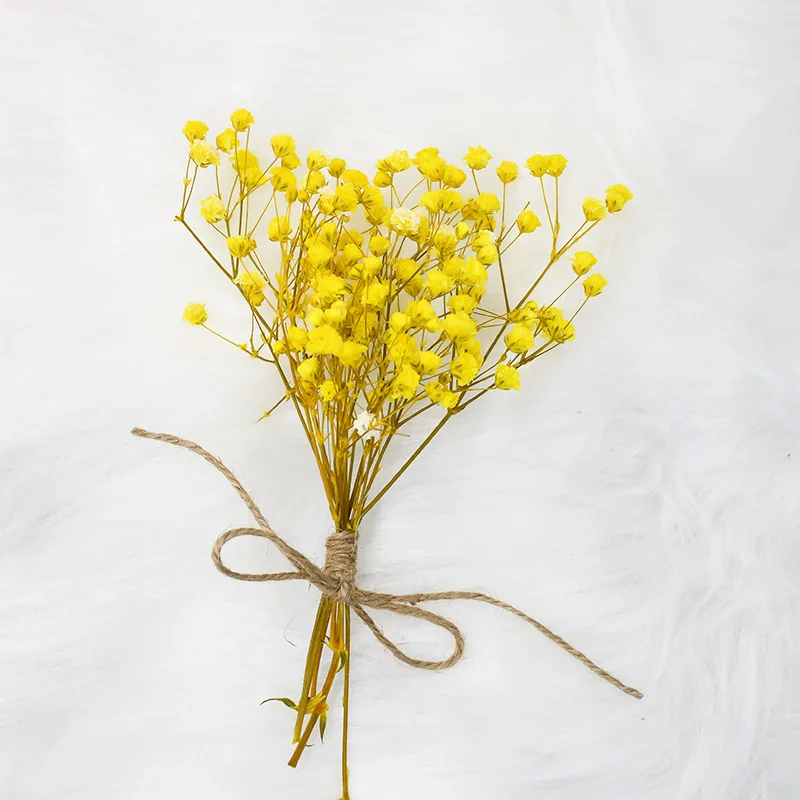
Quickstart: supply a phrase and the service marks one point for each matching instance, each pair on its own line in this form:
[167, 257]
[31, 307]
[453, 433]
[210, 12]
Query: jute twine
[337, 579]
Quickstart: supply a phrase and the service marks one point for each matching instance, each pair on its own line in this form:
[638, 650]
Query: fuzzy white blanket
[639, 495]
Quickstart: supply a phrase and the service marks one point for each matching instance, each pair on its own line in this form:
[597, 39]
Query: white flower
[363, 425]
[404, 221]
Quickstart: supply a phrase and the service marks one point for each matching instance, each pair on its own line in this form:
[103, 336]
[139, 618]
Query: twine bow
[337, 580]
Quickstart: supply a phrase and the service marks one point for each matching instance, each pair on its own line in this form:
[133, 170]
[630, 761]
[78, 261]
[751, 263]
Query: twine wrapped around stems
[337, 580]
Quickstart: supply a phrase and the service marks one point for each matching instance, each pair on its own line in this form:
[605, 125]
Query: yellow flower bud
[195, 314]
[378, 245]
[352, 354]
[538, 165]
[582, 262]
[241, 119]
[399, 322]
[337, 166]
[487, 254]
[282, 144]
[464, 368]
[382, 179]
[507, 171]
[296, 338]
[616, 197]
[519, 339]
[463, 230]
[290, 161]
[429, 362]
[203, 154]
[227, 140]
[278, 347]
[279, 229]
[506, 377]
[316, 159]
[477, 157]
[308, 370]
[463, 303]
[212, 209]
[431, 201]
[556, 164]
[324, 340]
[437, 283]
[405, 383]
[453, 176]
[527, 221]
[240, 246]
[593, 209]
[594, 284]
[327, 391]
[488, 202]
[458, 326]
[194, 129]
[252, 284]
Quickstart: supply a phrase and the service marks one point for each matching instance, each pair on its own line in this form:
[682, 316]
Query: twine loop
[337, 579]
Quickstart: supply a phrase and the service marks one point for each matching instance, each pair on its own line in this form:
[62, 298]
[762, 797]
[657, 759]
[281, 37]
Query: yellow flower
[556, 165]
[195, 314]
[616, 197]
[375, 294]
[318, 255]
[450, 200]
[316, 160]
[352, 354]
[404, 221]
[313, 182]
[464, 367]
[437, 283]
[487, 254]
[506, 377]
[593, 209]
[399, 322]
[462, 230]
[337, 313]
[356, 177]
[194, 129]
[429, 362]
[488, 202]
[477, 157]
[526, 315]
[555, 326]
[463, 303]
[507, 171]
[527, 222]
[453, 176]
[227, 140]
[328, 288]
[594, 284]
[327, 391]
[345, 198]
[382, 179]
[538, 165]
[398, 161]
[519, 339]
[473, 273]
[290, 161]
[378, 245]
[370, 267]
[279, 229]
[252, 284]
[282, 144]
[324, 340]
[422, 315]
[212, 209]
[431, 201]
[278, 347]
[240, 246]
[402, 348]
[432, 167]
[405, 383]
[444, 240]
[458, 326]
[282, 179]
[582, 262]
[296, 338]
[202, 153]
[241, 119]
[308, 370]
[337, 166]
[438, 394]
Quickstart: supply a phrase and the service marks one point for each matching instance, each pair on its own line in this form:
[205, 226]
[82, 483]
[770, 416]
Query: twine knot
[338, 580]
[341, 548]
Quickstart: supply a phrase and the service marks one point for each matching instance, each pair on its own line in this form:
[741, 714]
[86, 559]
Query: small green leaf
[323, 723]
[288, 702]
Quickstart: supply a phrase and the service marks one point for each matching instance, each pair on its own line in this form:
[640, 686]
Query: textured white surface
[657, 529]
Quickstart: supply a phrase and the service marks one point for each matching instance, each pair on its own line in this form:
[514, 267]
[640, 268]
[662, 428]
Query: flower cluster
[371, 301]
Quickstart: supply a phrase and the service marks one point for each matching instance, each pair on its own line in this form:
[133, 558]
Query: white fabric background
[657, 528]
